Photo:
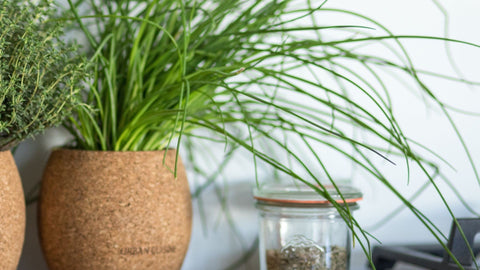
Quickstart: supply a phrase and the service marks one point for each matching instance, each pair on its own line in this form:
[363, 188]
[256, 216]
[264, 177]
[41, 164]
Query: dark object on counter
[430, 257]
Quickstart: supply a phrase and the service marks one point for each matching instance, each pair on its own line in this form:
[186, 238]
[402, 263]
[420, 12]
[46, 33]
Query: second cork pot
[114, 210]
[12, 213]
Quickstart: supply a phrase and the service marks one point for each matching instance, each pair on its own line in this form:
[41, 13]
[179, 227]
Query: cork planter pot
[114, 210]
[12, 213]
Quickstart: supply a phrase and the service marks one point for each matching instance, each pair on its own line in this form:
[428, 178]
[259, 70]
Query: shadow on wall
[31, 157]
[217, 244]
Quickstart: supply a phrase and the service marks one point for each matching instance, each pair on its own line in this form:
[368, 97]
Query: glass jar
[299, 229]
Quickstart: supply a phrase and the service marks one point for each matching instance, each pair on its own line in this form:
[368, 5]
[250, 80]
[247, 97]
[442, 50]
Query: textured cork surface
[12, 213]
[114, 210]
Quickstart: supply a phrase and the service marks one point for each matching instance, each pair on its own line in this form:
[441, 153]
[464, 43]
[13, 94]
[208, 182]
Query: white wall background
[215, 246]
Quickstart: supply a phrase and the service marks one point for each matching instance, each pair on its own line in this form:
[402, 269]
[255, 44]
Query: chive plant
[40, 75]
[253, 75]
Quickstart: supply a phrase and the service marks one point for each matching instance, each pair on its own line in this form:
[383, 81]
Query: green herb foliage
[258, 75]
[40, 75]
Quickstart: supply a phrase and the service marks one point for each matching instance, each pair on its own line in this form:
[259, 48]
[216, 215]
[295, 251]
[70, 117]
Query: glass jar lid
[303, 195]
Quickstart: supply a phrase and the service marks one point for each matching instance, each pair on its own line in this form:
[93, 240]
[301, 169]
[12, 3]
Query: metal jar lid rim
[304, 195]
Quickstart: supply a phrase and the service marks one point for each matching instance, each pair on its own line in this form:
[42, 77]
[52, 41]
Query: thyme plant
[254, 75]
[40, 75]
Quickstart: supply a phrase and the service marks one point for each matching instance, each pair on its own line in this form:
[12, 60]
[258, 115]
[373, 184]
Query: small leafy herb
[40, 75]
